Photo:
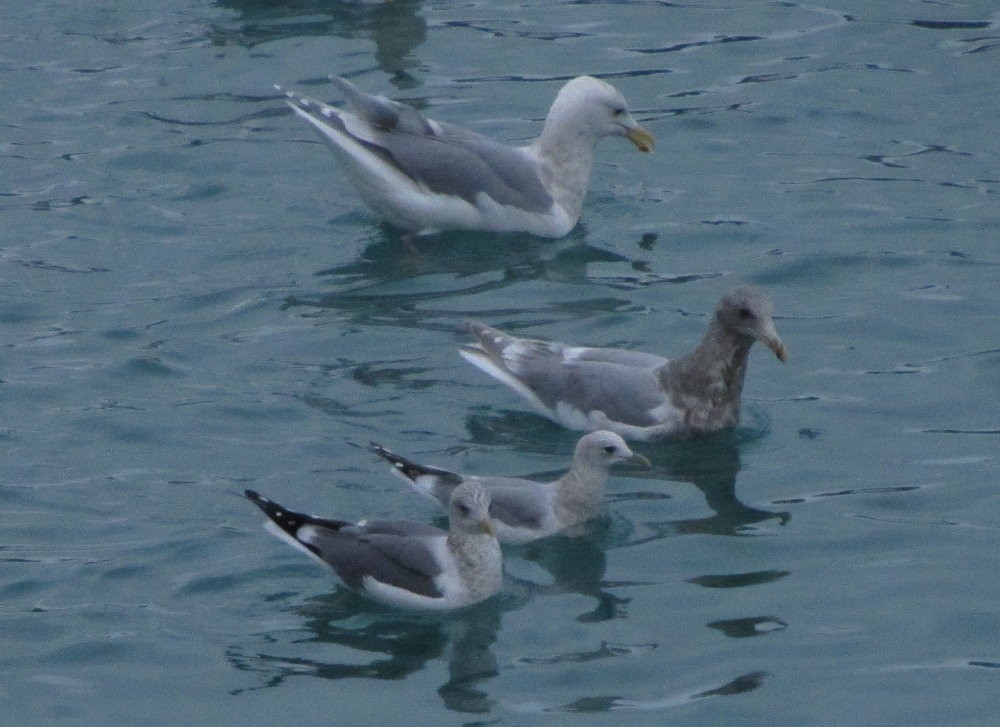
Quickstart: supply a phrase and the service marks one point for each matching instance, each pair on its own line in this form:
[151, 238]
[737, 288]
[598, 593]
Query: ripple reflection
[381, 645]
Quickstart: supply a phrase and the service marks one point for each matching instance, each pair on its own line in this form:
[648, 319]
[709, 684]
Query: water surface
[193, 302]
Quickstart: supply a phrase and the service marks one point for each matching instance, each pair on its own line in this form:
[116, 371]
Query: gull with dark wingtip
[399, 562]
[525, 510]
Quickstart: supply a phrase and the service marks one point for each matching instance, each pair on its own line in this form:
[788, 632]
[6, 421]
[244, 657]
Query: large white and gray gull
[426, 176]
[525, 510]
[399, 562]
[638, 395]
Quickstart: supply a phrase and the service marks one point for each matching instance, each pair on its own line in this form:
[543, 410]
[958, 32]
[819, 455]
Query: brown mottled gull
[638, 395]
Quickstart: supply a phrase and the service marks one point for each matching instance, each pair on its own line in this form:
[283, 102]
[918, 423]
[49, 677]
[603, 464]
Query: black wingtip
[412, 470]
[262, 502]
[385, 454]
[289, 520]
[272, 509]
[389, 456]
[409, 469]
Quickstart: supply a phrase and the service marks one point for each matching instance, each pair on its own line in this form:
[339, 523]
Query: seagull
[402, 563]
[525, 510]
[640, 396]
[425, 176]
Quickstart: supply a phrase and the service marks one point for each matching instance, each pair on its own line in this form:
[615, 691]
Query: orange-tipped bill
[642, 139]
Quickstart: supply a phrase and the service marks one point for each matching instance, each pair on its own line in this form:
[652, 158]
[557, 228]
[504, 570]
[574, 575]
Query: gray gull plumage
[426, 176]
[399, 562]
[525, 510]
[638, 395]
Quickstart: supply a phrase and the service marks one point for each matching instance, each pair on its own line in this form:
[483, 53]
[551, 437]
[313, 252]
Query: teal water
[192, 302]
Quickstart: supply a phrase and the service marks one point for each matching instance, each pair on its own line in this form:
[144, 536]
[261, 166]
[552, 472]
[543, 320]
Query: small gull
[525, 510]
[426, 176]
[638, 395]
[399, 562]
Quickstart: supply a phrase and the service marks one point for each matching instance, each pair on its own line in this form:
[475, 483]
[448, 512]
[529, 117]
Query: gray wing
[513, 501]
[622, 384]
[402, 528]
[444, 158]
[466, 166]
[380, 112]
[622, 357]
[502, 345]
[394, 552]
[624, 393]
[521, 505]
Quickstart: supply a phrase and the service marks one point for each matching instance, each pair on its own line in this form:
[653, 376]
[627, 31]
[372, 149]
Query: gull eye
[610, 449]
[745, 313]
[463, 509]
[619, 111]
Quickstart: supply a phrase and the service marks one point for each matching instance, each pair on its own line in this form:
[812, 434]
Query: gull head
[469, 509]
[590, 107]
[603, 449]
[746, 312]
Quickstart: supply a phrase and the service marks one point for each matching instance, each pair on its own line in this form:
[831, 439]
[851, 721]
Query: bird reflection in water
[574, 565]
[395, 28]
[398, 645]
[711, 463]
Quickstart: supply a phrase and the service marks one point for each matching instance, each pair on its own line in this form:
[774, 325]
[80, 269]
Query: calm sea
[193, 302]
